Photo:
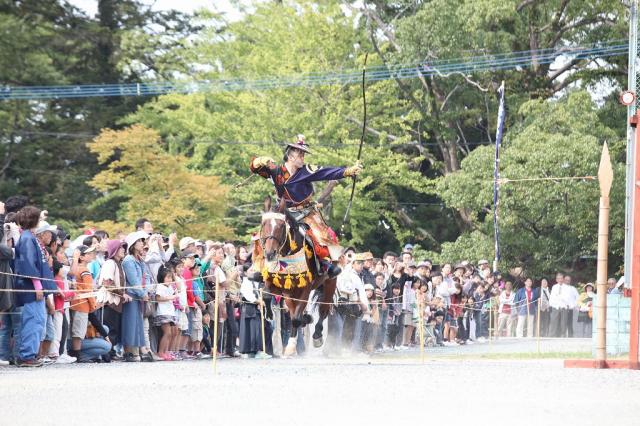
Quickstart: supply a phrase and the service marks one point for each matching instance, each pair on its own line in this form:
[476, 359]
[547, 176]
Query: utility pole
[631, 134]
[632, 207]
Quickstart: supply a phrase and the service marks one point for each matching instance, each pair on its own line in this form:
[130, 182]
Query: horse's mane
[274, 215]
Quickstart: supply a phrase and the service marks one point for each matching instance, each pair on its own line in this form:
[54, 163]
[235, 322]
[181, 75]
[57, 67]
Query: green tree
[221, 131]
[544, 224]
[155, 185]
[453, 112]
[42, 149]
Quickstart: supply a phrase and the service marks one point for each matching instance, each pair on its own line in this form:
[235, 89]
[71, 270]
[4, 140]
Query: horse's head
[273, 234]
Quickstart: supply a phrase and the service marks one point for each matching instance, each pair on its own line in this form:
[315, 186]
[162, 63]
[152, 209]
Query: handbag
[150, 305]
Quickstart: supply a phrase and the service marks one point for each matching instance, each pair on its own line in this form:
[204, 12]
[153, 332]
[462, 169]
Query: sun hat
[135, 236]
[186, 242]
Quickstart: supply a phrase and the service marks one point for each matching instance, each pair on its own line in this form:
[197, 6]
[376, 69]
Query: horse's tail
[315, 298]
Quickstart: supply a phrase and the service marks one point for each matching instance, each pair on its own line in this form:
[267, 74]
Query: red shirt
[528, 291]
[58, 299]
[188, 279]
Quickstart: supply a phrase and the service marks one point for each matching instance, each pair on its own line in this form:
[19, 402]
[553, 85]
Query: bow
[364, 127]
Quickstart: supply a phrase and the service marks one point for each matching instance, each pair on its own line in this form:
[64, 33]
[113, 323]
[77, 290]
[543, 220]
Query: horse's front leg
[290, 349]
[326, 301]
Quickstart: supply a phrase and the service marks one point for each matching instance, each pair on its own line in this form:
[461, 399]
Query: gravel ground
[391, 389]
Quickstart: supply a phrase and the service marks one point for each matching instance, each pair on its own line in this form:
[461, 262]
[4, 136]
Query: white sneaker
[46, 360]
[481, 339]
[3, 362]
[403, 348]
[66, 359]
[469, 342]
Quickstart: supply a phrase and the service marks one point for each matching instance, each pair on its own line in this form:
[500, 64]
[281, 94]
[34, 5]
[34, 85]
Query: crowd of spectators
[142, 296]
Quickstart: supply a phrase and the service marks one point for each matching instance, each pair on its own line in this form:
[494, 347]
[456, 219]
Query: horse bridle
[281, 244]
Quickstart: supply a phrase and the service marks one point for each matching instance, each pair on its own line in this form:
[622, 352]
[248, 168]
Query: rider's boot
[332, 270]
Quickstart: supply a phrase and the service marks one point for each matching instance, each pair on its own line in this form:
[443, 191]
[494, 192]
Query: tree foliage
[429, 136]
[544, 224]
[153, 184]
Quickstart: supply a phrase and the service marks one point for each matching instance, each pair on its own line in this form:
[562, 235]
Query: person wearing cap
[357, 323]
[45, 234]
[187, 243]
[424, 271]
[82, 304]
[137, 282]
[293, 183]
[367, 275]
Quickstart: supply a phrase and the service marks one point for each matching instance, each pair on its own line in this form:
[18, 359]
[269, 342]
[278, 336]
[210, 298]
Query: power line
[73, 136]
[489, 62]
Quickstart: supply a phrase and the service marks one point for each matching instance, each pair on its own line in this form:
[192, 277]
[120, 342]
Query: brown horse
[280, 237]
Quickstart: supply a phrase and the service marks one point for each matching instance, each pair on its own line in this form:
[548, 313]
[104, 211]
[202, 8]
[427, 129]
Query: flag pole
[496, 177]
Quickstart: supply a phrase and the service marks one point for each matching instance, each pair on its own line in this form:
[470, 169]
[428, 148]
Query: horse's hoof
[317, 343]
[307, 319]
[290, 349]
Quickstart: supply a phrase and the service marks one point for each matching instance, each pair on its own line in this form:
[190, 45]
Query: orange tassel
[265, 274]
[309, 276]
[292, 244]
[288, 283]
[276, 280]
[302, 282]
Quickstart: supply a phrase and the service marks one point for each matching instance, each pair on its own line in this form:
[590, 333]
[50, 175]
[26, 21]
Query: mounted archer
[293, 182]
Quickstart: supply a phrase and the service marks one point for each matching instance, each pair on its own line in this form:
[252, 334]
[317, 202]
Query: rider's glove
[353, 170]
[262, 162]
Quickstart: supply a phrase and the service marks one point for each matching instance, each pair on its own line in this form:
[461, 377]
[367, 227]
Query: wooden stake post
[215, 327]
[262, 312]
[605, 178]
[538, 318]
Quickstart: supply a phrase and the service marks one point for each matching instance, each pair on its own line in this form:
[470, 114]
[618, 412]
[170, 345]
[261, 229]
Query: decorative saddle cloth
[287, 272]
[325, 241]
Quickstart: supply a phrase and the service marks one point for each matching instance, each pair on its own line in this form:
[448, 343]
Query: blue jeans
[356, 343]
[94, 348]
[382, 330]
[10, 322]
[33, 323]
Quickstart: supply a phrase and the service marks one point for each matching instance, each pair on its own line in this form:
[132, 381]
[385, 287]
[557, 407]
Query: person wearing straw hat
[293, 183]
[585, 311]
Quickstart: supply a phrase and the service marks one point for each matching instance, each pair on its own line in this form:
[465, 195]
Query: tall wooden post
[215, 327]
[605, 177]
[635, 251]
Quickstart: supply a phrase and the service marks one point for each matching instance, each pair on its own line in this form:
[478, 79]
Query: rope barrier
[507, 180]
